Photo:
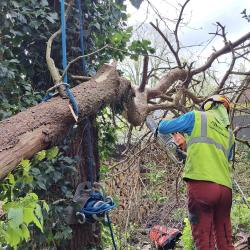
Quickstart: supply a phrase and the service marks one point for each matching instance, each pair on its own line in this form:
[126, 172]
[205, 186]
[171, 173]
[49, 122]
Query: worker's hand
[156, 132]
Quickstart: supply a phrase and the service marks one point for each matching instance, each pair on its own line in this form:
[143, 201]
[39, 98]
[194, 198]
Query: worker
[207, 171]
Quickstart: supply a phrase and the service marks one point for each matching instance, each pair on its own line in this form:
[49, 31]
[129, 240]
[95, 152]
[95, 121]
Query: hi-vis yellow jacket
[208, 149]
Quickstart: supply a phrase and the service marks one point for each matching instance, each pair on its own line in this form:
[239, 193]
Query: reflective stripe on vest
[204, 139]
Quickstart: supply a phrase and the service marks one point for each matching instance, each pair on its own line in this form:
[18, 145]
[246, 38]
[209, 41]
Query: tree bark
[36, 128]
[87, 235]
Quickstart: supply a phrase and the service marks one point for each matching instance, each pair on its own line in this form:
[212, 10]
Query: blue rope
[81, 36]
[64, 48]
[111, 231]
[64, 61]
[98, 205]
[47, 97]
[72, 100]
[90, 155]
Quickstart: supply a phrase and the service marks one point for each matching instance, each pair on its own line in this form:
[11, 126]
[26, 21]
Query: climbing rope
[95, 205]
[64, 61]
[74, 107]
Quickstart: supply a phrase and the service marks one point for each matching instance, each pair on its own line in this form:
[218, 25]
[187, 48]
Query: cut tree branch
[36, 128]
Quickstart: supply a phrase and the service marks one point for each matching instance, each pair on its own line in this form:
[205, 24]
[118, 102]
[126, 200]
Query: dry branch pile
[149, 188]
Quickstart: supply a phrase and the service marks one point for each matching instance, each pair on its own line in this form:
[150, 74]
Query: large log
[28, 132]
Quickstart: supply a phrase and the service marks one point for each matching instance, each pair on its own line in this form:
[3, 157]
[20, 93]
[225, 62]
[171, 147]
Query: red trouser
[209, 206]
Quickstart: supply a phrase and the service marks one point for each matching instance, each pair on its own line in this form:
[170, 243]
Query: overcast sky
[202, 15]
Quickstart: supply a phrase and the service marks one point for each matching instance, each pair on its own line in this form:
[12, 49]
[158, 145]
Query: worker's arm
[183, 124]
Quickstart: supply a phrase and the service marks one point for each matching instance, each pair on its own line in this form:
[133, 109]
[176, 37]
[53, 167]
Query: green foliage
[106, 236]
[25, 27]
[46, 175]
[122, 241]
[140, 48]
[20, 213]
[107, 134]
[107, 26]
[155, 177]
[186, 237]
[240, 216]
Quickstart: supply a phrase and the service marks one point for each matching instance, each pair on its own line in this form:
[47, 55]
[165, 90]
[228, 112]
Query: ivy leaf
[12, 236]
[52, 153]
[28, 215]
[116, 38]
[25, 164]
[38, 223]
[14, 61]
[41, 185]
[15, 216]
[40, 155]
[45, 206]
[39, 215]
[68, 160]
[11, 179]
[15, 4]
[26, 167]
[25, 232]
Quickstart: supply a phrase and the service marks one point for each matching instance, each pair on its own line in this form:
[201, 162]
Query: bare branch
[177, 26]
[226, 49]
[237, 129]
[168, 43]
[228, 72]
[144, 74]
[223, 32]
[240, 73]
[54, 72]
[238, 94]
[246, 142]
[80, 57]
[193, 97]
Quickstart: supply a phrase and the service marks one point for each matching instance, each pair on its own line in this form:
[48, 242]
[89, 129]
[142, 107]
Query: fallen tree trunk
[36, 128]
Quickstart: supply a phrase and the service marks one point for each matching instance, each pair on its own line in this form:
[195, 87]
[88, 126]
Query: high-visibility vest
[208, 149]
